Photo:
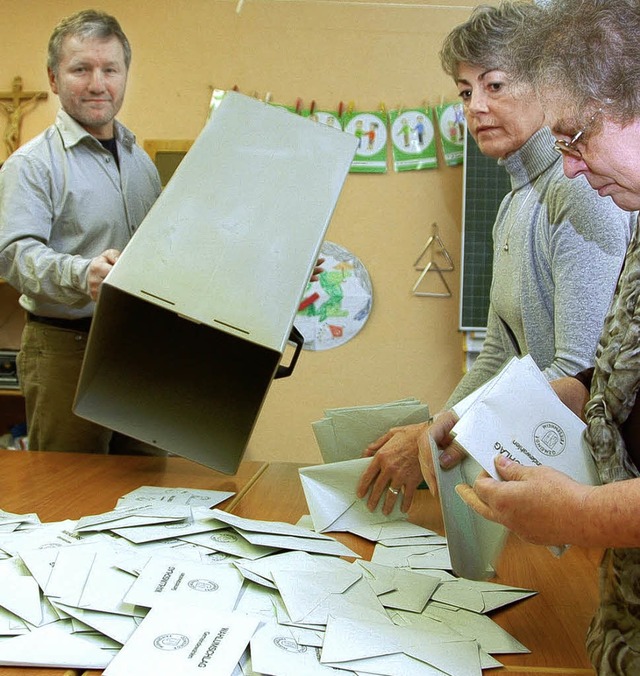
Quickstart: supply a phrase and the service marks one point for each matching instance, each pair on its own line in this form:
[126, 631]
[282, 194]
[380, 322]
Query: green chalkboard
[485, 185]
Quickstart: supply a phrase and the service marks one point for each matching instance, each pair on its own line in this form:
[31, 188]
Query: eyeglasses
[569, 147]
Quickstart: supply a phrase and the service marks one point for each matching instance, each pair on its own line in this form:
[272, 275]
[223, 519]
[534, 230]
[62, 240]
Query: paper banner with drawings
[327, 117]
[337, 306]
[413, 139]
[452, 127]
[371, 131]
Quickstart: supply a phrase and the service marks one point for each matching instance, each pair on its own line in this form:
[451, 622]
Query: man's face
[90, 81]
[609, 158]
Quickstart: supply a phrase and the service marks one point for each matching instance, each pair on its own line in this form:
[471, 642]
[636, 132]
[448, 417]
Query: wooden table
[551, 624]
[58, 486]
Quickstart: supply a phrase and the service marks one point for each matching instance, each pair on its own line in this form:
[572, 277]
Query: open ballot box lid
[193, 320]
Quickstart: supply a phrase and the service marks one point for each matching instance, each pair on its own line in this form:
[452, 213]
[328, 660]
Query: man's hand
[99, 268]
[394, 470]
[539, 504]
[317, 270]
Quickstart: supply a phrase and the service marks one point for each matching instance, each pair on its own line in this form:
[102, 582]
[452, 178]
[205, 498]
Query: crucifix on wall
[15, 104]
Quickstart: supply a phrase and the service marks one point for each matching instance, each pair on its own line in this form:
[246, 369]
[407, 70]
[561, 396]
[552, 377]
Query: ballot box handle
[297, 339]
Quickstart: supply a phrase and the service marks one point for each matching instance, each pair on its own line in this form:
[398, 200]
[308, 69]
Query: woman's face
[501, 118]
[608, 157]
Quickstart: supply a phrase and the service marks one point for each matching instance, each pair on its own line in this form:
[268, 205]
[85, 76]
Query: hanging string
[368, 3]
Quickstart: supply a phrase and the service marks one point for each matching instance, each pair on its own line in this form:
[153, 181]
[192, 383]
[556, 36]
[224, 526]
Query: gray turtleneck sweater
[557, 253]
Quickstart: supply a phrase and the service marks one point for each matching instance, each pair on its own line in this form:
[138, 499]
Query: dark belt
[83, 324]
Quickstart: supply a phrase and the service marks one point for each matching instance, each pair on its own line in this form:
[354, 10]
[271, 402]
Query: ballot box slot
[231, 326]
[153, 295]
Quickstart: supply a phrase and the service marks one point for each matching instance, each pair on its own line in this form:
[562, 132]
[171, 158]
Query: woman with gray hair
[558, 247]
[586, 60]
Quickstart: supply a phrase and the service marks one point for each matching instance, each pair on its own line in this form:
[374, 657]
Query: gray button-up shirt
[63, 201]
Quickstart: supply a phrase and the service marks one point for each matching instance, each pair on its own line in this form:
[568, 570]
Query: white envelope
[413, 556]
[271, 527]
[103, 588]
[7, 518]
[479, 596]
[117, 627]
[474, 542]
[345, 432]
[405, 590]
[372, 647]
[200, 521]
[378, 532]
[56, 534]
[229, 541]
[194, 497]
[219, 585]
[133, 515]
[491, 637]
[20, 595]
[54, 646]
[327, 546]
[185, 637]
[261, 570]
[330, 491]
[521, 417]
[10, 625]
[255, 599]
[283, 535]
[310, 598]
[275, 650]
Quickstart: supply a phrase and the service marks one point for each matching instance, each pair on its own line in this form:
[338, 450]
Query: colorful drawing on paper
[336, 307]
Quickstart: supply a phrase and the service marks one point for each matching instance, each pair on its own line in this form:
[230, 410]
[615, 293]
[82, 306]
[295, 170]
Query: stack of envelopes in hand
[344, 433]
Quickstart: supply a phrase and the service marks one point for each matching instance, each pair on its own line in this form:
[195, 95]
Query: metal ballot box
[193, 320]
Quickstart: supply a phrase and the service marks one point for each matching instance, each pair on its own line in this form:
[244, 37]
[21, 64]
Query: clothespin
[235, 88]
[312, 107]
[298, 105]
[340, 110]
[267, 97]
[351, 107]
[383, 108]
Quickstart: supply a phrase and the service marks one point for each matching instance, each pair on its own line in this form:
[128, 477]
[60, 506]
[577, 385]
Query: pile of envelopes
[344, 433]
[166, 583]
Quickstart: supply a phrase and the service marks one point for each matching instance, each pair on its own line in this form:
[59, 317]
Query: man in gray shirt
[70, 200]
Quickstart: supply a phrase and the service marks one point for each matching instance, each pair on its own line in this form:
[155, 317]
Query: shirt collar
[73, 133]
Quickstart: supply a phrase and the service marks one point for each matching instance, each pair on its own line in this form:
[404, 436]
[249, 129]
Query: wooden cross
[15, 104]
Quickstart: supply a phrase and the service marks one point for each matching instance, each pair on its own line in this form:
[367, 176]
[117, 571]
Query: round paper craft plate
[336, 307]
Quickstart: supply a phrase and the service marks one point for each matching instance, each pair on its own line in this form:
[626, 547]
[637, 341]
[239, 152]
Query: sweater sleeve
[496, 350]
[587, 239]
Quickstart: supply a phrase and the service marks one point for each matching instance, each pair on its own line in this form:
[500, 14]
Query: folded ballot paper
[344, 433]
[519, 415]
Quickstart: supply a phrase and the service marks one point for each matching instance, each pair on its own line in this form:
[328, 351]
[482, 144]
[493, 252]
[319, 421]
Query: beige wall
[327, 51]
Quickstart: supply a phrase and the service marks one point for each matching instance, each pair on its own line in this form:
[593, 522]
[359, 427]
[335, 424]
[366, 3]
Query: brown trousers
[49, 364]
